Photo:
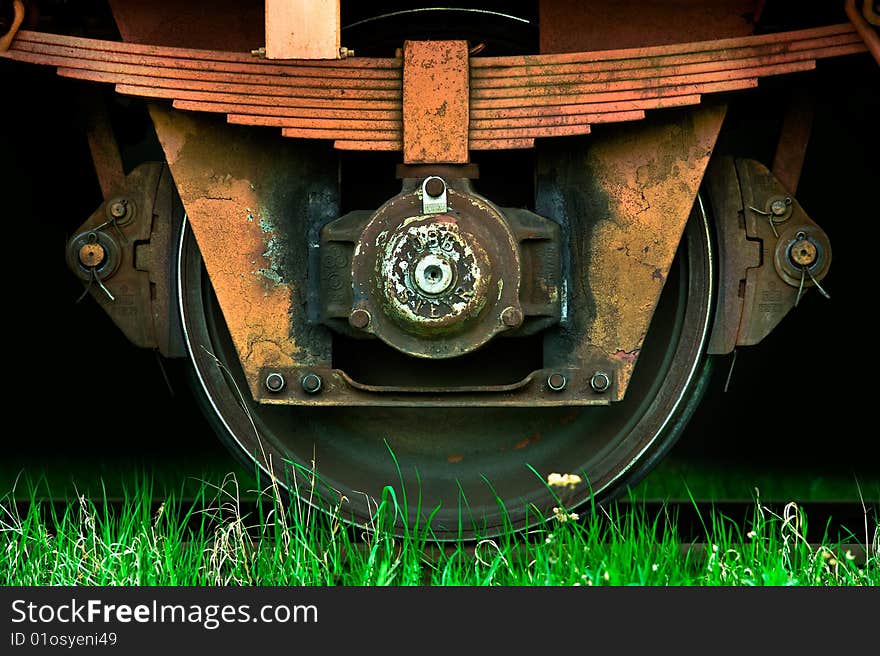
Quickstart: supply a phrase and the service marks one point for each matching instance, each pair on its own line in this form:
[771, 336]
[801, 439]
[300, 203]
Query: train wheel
[480, 469]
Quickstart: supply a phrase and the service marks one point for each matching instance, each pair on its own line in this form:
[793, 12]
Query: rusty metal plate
[122, 254]
[254, 213]
[302, 29]
[334, 389]
[736, 253]
[102, 142]
[771, 289]
[761, 264]
[626, 196]
[252, 201]
[791, 149]
[436, 92]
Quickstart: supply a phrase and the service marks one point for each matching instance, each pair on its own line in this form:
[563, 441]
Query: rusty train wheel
[481, 468]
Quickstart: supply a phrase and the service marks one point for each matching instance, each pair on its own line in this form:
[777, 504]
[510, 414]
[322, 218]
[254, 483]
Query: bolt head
[556, 382]
[92, 255]
[311, 383]
[275, 382]
[118, 209]
[778, 207]
[435, 187]
[803, 253]
[511, 317]
[359, 318]
[600, 382]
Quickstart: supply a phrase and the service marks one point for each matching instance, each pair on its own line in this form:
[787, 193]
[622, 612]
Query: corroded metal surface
[791, 149]
[771, 291]
[338, 390]
[17, 18]
[769, 250]
[302, 29]
[554, 94]
[436, 285]
[109, 254]
[358, 102]
[102, 142]
[251, 201]
[868, 33]
[435, 102]
[439, 285]
[626, 197]
[736, 253]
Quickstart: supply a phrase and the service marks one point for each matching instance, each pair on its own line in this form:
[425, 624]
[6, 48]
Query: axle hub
[433, 276]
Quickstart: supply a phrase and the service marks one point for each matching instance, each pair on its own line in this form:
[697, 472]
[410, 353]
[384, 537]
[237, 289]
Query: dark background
[803, 400]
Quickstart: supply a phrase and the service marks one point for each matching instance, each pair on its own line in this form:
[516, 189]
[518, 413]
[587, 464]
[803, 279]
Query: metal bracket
[762, 278]
[18, 18]
[123, 252]
[434, 196]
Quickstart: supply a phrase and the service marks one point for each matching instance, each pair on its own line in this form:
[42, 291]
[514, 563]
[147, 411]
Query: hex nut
[435, 187]
[275, 382]
[311, 383]
[359, 318]
[511, 317]
[600, 382]
[556, 382]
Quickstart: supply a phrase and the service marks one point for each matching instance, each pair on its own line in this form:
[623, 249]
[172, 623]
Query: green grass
[211, 542]
[676, 477]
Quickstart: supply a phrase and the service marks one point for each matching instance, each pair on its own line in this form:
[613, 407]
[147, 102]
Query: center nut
[437, 285]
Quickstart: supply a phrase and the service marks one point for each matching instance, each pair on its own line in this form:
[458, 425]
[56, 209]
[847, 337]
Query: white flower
[655, 567]
[751, 535]
[562, 517]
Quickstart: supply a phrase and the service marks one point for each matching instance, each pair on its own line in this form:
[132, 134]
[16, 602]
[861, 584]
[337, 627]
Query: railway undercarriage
[490, 271]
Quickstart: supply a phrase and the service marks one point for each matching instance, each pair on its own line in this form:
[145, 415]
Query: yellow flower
[563, 480]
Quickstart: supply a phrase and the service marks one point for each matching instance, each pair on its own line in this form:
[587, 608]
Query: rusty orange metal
[436, 89]
[649, 175]
[764, 255]
[362, 103]
[102, 143]
[134, 289]
[736, 253]
[791, 149]
[869, 34]
[302, 29]
[227, 215]
[771, 289]
[17, 19]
